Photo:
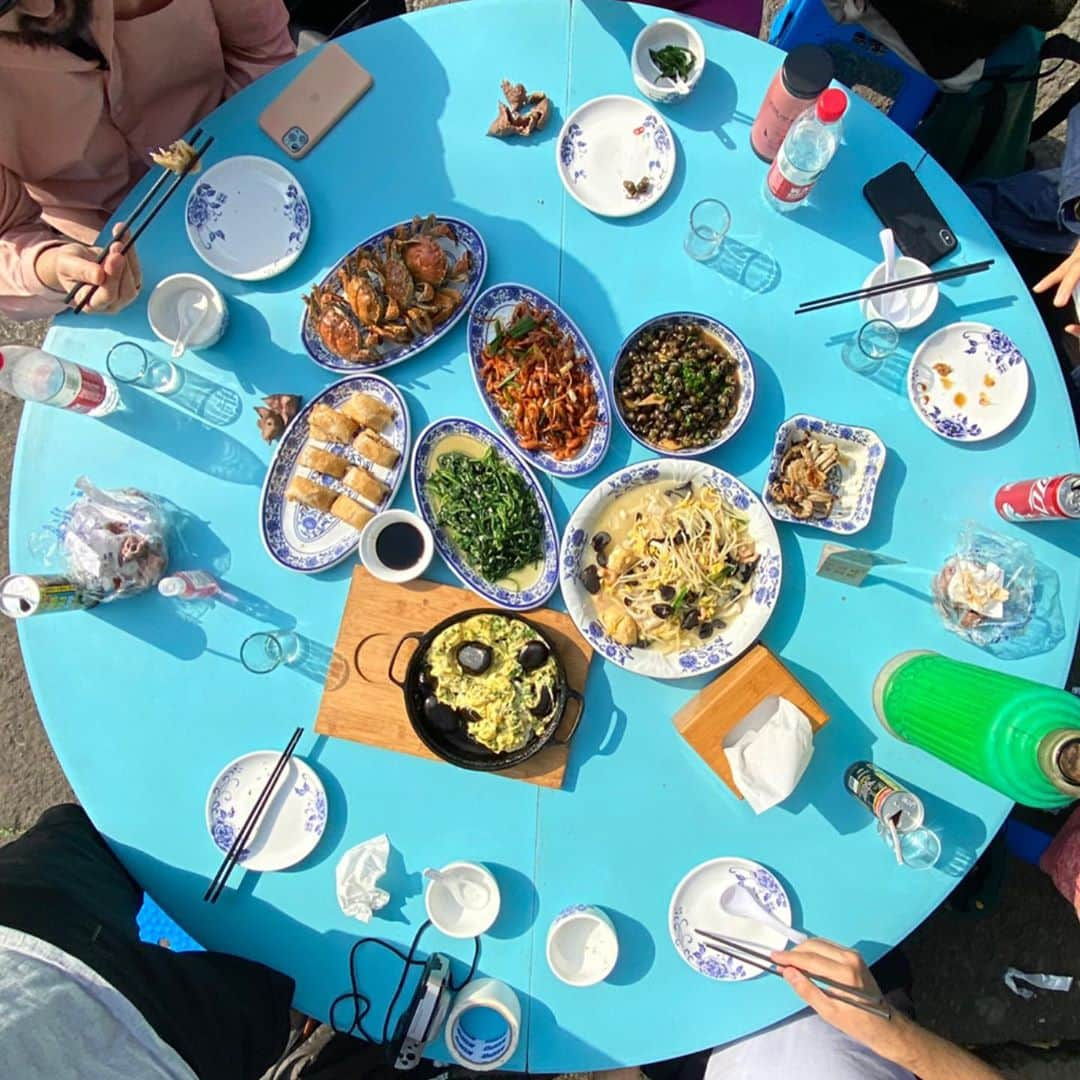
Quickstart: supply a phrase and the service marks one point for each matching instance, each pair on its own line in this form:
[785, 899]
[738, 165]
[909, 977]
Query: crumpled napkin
[979, 587]
[357, 871]
[769, 761]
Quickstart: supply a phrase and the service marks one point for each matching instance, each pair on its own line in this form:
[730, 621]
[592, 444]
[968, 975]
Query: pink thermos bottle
[805, 73]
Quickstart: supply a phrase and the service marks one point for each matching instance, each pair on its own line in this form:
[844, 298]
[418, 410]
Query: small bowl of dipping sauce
[396, 546]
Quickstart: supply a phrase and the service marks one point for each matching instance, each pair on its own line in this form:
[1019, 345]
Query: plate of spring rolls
[339, 463]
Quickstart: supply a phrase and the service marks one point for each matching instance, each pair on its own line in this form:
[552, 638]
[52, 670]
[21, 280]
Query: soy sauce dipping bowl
[369, 555]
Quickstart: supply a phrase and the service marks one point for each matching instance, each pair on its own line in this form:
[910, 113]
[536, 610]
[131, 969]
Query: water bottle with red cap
[807, 149]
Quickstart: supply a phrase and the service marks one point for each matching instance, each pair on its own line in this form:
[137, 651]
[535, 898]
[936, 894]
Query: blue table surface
[144, 704]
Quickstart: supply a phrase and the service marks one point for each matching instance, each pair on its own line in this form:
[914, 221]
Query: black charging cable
[361, 1003]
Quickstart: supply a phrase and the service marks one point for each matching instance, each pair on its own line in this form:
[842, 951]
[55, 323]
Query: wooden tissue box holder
[707, 720]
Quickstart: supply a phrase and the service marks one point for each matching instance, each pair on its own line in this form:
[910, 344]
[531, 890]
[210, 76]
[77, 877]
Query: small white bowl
[582, 947]
[449, 916]
[370, 558]
[655, 36]
[922, 299]
[162, 314]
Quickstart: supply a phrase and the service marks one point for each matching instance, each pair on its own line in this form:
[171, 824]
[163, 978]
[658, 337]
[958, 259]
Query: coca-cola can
[1045, 499]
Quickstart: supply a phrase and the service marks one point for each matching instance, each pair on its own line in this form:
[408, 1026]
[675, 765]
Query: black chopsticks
[895, 286]
[251, 821]
[852, 995]
[132, 232]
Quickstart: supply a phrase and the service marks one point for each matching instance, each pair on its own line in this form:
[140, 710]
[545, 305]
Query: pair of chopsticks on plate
[133, 228]
[895, 286]
[851, 995]
[251, 821]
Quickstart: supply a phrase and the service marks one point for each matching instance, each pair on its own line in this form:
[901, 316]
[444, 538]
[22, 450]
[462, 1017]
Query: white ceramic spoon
[192, 307]
[470, 895]
[892, 305]
[739, 902]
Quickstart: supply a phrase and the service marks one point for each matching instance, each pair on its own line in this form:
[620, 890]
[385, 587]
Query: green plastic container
[1018, 736]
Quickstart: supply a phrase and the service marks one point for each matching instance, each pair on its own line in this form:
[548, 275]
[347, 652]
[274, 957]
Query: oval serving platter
[720, 649]
[498, 302]
[512, 599]
[308, 540]
[468, 239]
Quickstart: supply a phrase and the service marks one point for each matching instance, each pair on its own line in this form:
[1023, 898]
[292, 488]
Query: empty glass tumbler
[710, 220]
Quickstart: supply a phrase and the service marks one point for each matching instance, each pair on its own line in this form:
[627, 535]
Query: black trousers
[227, 1017]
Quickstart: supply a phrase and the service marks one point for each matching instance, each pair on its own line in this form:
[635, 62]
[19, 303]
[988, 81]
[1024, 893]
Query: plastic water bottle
[807, 149]
[189, 585]
[35, 375]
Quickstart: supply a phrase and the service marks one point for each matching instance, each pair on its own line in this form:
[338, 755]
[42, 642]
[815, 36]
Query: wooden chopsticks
[852, 995]
[895, 286]
[133, 231]
[242, 837]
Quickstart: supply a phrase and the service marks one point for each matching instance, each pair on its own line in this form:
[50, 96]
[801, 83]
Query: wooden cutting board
[362, 704]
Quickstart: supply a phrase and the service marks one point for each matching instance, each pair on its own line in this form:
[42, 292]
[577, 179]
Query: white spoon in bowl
[741, 903]
[892, 305]
[470, 895]
[192, 307]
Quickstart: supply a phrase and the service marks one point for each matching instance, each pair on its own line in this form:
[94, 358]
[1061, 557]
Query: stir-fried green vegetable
[672, 60]
[488, 511]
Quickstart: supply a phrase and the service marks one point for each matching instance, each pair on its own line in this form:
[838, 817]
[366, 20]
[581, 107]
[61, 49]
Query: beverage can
[1047, 498]
[38, 594]
[884, 797]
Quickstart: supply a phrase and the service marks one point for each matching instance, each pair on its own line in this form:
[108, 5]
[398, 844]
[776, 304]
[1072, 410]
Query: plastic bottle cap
[171, 586]
[831, 106]
[807, 70]
[1068, 760]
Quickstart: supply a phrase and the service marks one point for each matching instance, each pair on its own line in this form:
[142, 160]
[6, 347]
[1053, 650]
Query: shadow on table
[962, 834]
[208, 400]
[602, 725]
[712, 105]
[637, 949]
[751, 268]
[949, 311]
[792, 597]
[147, 419]
[156, 621]
[519, 902]
[753, 443]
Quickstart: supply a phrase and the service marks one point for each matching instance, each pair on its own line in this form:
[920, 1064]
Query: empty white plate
[695, 905]
[291, 825]
[248, 218]
[610, 140]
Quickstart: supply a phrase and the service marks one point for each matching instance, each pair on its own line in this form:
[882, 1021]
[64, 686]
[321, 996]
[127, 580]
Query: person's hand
[1065, 276]
[820, 957]
[118, 278]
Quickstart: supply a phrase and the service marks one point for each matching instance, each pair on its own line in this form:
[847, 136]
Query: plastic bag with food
[114, 543]
[985, 592]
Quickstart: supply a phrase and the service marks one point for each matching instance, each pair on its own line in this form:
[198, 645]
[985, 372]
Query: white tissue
[357, 871]
[769, 760]
[1013, 978]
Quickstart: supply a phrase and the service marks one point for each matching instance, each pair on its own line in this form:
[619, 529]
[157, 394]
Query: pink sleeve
[23, 236]
[254, 39]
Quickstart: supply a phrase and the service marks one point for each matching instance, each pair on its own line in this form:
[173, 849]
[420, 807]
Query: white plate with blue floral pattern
[723, 646]
[496, 305]
[299, 537]
[853, 481]
[291, 825]
[248, 218]
[503, 593]
[611, 140]
[695, 905]
[968, 382]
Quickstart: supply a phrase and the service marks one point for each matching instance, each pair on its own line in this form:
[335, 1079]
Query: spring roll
[314, 457]
[351, 512]
[364, 484]
[309, 493]
[368, 411]
[329, 424]
[376, 449]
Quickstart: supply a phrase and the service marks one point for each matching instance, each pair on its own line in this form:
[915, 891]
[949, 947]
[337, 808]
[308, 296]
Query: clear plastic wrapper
[112, 543]
[985, 592]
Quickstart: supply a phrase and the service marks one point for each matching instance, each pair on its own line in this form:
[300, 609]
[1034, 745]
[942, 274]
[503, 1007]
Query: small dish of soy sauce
[396, 546]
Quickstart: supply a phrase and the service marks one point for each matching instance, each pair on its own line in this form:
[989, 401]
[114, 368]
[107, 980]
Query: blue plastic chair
[156, 928]
[806, 22]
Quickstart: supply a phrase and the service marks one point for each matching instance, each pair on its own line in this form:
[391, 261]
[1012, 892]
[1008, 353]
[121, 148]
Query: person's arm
[38, 265]
[899, 1040]
[254, 39]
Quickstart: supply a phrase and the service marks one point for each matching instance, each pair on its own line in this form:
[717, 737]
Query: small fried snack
[368, 411]
[376, 449]
[309, 493]
[314, 457]
[363, 483]
[351, 512]
[329, 424]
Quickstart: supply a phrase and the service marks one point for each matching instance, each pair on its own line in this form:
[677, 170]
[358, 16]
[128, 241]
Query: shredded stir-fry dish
[175, 156]
[488, 511]
[671, 566]
[533, 372]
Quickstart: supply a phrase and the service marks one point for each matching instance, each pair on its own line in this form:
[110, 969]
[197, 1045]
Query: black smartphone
[903, 205]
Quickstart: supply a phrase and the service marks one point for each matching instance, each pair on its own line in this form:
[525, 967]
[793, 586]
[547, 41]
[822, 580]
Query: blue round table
[144, 706]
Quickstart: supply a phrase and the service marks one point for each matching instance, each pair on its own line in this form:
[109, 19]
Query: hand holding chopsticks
[130, 231]
[251, 822]
[815, 961]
